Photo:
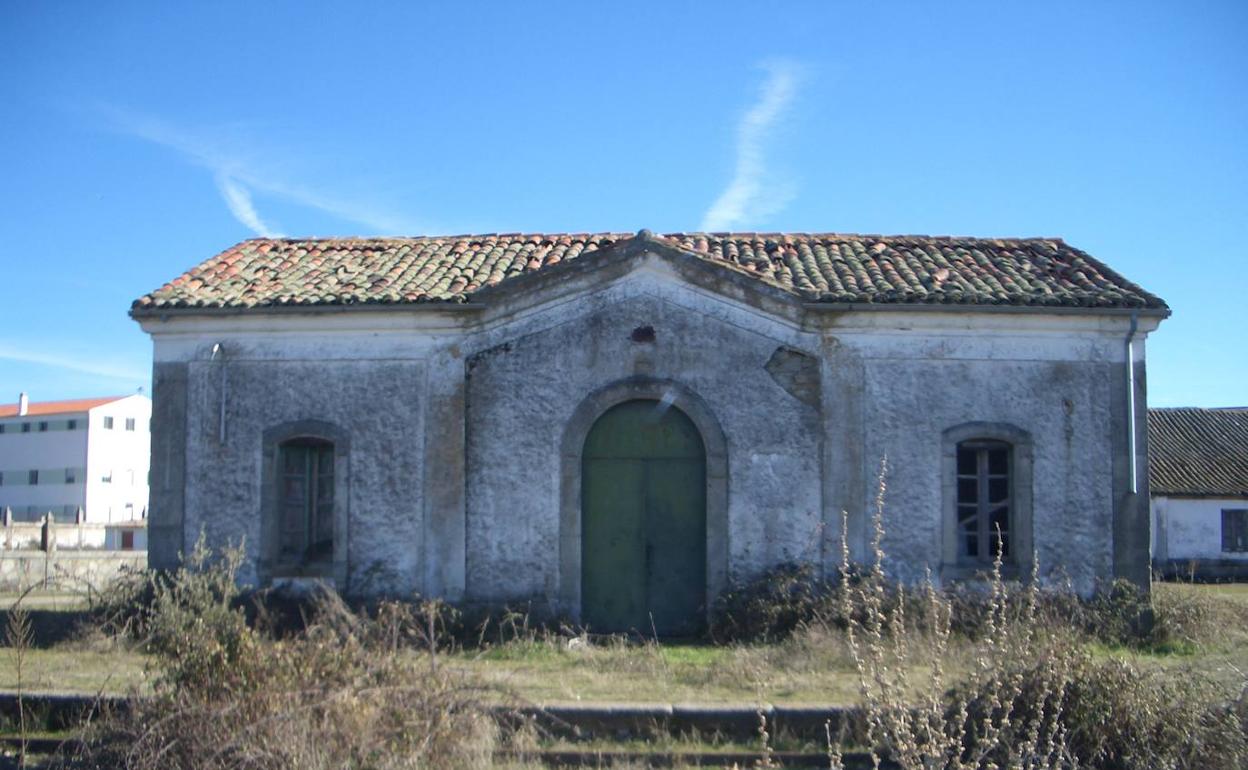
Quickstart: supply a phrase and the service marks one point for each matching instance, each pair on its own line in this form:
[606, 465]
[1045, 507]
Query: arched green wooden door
[643, 521]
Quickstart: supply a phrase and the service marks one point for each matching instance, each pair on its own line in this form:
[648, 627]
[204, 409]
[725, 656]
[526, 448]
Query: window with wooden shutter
[306, 500]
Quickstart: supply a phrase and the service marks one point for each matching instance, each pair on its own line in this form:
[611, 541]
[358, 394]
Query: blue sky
[137, 139]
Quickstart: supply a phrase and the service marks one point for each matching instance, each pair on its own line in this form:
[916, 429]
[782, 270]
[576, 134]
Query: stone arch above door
[572, 446]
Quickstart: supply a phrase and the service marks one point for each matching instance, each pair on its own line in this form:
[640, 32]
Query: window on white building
[71, 425]
[130, 423]
[1235, 530]
[43, 426]
[108, 423]
[70, 476]
[25, 427]
[32, 477]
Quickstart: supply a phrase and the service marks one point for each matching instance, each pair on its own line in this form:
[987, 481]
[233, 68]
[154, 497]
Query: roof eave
[160, 312]
[474, 305]
[946, 307]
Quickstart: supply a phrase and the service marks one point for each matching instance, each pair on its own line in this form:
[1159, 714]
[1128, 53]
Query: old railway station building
[618, 426]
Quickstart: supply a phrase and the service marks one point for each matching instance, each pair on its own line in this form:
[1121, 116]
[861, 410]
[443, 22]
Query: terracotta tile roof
[40, 408]
[1198, 452]
[824, 268]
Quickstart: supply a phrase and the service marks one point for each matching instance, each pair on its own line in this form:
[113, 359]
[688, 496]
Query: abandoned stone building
[620, 426]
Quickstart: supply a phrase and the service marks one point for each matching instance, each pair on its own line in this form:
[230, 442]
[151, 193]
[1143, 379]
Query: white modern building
[1198, 470]
[91, 454]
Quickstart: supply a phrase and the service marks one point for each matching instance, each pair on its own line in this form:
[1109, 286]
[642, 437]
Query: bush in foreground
[1034, 697]
[349, 691]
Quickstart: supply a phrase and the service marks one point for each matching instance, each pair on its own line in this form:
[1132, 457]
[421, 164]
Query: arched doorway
[643, 529]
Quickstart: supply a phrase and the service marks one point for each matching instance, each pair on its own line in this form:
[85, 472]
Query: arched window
[305, 501]
[985, 479]
[305, 483]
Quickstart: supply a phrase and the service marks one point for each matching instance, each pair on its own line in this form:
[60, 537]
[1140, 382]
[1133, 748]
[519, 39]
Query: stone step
[618, 721]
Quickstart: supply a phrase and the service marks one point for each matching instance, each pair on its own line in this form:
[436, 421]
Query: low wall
[65, 570]
[19, 535]
[1201, 570]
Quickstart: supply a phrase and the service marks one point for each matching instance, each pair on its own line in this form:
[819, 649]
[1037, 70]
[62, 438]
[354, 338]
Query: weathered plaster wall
[524, 388]
[1062, 405]
[456, 418]
[378, 402]
[1191, 528]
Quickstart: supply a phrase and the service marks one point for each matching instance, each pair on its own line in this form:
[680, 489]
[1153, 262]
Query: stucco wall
[523, 391]
[1062, 405]
[456, 418]
[1186, 528]
[379, 402]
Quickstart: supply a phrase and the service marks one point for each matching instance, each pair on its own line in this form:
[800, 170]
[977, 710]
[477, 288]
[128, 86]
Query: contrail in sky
[73, 363]
[238, 199]
[751, 195]
[238, 178]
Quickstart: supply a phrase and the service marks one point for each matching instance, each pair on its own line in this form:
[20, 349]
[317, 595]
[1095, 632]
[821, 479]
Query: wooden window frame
[1229, 515]
[986, 533]
[955, 566]
[271, 563]
[314, 475]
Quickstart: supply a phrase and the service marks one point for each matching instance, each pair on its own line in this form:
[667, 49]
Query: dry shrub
[774, 605]
[1122, 716]
[1187, 616]
[910, 716]
[1034, 696]
[349, 691]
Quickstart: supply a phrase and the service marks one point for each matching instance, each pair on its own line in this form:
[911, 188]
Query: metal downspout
[1131, 437]
[218, 349]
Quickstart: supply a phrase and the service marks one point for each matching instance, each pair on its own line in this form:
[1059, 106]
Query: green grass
[46, 600]
[70, 670]
[812, 668]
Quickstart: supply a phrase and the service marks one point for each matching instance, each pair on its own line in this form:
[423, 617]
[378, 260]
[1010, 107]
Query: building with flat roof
[91, 454]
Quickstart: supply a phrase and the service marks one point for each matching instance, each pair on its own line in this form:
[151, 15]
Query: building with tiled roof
[619, 426]
[824, 268]
[83, 459]
[1198, 478]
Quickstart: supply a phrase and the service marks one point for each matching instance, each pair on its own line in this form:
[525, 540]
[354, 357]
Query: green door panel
[645, 430]
[613, 590]
[676, 544]
[643, 533]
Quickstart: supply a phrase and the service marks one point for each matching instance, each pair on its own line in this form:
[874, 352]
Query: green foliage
[774, 605]
[194, 625]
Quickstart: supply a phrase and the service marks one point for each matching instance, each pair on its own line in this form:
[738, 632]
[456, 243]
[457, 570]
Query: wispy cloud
[106, 369]
[752, 195]
[238, 199]
[239, 174]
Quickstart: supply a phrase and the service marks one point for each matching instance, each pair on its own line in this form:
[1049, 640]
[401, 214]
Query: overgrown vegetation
[1033, 696]
[996, 675]
[342, 693]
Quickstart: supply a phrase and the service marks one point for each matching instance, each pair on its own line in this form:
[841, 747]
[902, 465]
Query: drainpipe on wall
[1131, 437]
[217, 349]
